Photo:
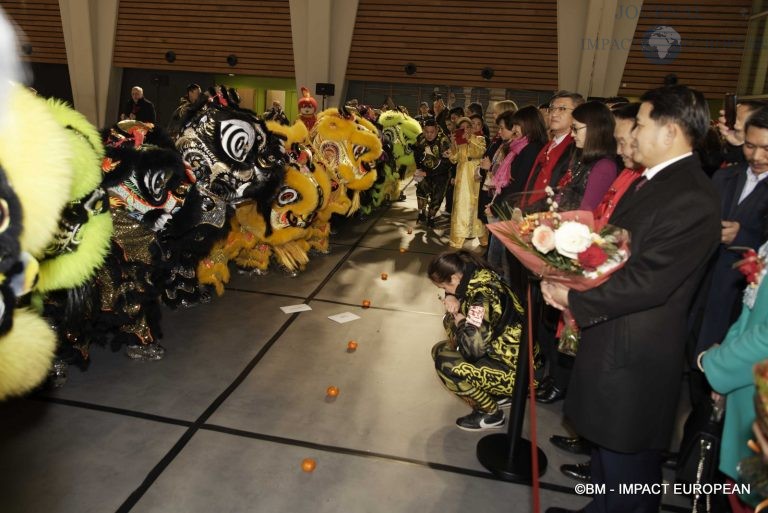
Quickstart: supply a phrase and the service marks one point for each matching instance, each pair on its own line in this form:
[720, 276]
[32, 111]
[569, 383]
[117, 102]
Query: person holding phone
[732, 130]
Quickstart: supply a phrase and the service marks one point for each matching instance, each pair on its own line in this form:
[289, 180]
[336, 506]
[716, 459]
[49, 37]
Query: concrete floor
[225, 420]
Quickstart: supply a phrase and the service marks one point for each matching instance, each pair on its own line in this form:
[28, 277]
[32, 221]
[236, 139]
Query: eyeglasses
[575, 128]
[561, 110]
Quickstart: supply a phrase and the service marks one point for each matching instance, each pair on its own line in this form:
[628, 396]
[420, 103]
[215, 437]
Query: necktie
[640, 183]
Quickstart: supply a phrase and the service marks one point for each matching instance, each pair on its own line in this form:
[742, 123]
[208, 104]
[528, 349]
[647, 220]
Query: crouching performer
[483, 320]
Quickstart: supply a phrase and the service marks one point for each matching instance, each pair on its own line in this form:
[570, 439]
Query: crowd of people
[680, 310]
[690, 192]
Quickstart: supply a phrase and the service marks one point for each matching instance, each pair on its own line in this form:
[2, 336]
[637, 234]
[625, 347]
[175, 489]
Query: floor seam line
[445, 467]
[111, 409]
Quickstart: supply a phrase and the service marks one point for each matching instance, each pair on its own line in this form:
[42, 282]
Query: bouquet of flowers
[564, 247]
[753, 470]
[752, 266]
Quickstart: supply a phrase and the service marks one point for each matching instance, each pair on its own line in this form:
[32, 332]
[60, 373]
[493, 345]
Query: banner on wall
[274, 95]
[246, 97]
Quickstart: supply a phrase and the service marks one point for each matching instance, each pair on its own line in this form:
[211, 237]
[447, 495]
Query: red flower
[750, 266]
[592, 257]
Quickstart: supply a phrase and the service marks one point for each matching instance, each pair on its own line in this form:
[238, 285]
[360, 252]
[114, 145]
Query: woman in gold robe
[466, 151]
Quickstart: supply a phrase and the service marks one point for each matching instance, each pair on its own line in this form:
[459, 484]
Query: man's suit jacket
[626, 379]
[719, 301]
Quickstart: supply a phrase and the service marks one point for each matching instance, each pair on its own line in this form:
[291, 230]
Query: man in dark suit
[625, 385]
[744, 200]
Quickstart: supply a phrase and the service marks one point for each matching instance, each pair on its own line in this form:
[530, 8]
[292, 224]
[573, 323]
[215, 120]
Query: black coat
[142, 110]
[719, 302]
[625, 384]
[521, 168]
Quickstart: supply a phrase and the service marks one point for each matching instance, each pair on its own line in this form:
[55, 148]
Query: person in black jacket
[743, 191]
[138, 107]
[483, 321]
[433, 170]
[193, 100]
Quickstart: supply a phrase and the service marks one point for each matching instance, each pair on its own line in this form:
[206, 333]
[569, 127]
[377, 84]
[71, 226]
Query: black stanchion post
[508, 456]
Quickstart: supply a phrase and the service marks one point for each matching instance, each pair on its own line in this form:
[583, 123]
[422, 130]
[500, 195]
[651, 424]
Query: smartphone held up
[729, 106]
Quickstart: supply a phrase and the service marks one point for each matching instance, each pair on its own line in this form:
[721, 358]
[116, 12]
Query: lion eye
[287, 196]
[5, 216]
[155, 182]
[237, 138]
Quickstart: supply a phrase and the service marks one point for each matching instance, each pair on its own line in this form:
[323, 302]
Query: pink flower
[543, 239]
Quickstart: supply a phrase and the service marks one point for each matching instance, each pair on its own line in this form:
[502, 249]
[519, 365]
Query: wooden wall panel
[712, 34]
[40, 22]
[203, 34]
[451, 41]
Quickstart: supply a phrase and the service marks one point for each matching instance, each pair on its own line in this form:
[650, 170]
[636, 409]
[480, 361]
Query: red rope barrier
[532, 413]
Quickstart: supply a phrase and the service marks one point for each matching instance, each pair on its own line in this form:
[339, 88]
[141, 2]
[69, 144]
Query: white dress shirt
[751, 183]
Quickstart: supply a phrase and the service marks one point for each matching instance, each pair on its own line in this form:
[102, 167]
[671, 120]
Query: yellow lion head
[348, 145]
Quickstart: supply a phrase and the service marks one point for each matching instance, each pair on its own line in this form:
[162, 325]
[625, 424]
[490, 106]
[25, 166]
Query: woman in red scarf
[625, 121]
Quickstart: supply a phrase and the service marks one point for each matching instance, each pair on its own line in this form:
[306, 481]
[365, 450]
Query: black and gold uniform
[430, 191]
[479, 360]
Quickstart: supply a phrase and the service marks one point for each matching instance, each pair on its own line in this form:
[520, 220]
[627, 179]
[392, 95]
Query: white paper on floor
[295, 308]
[344, 317]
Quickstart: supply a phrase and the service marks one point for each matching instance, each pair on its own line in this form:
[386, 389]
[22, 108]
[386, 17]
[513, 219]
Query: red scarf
[618, 188]
[545, 163]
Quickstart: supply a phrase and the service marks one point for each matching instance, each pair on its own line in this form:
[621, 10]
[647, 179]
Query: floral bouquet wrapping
[754, 469]
[752, 266]
[564, 247]
[761, 396]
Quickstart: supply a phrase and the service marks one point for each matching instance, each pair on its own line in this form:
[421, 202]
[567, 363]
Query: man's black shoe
[549, 393]
[580, 472]
[576, 444]
[402, 197]
[422, 218]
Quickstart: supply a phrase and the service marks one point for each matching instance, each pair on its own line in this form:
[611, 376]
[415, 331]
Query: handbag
[700, 449]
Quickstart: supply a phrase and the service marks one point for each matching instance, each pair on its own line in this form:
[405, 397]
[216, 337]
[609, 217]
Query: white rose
[571, 238]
